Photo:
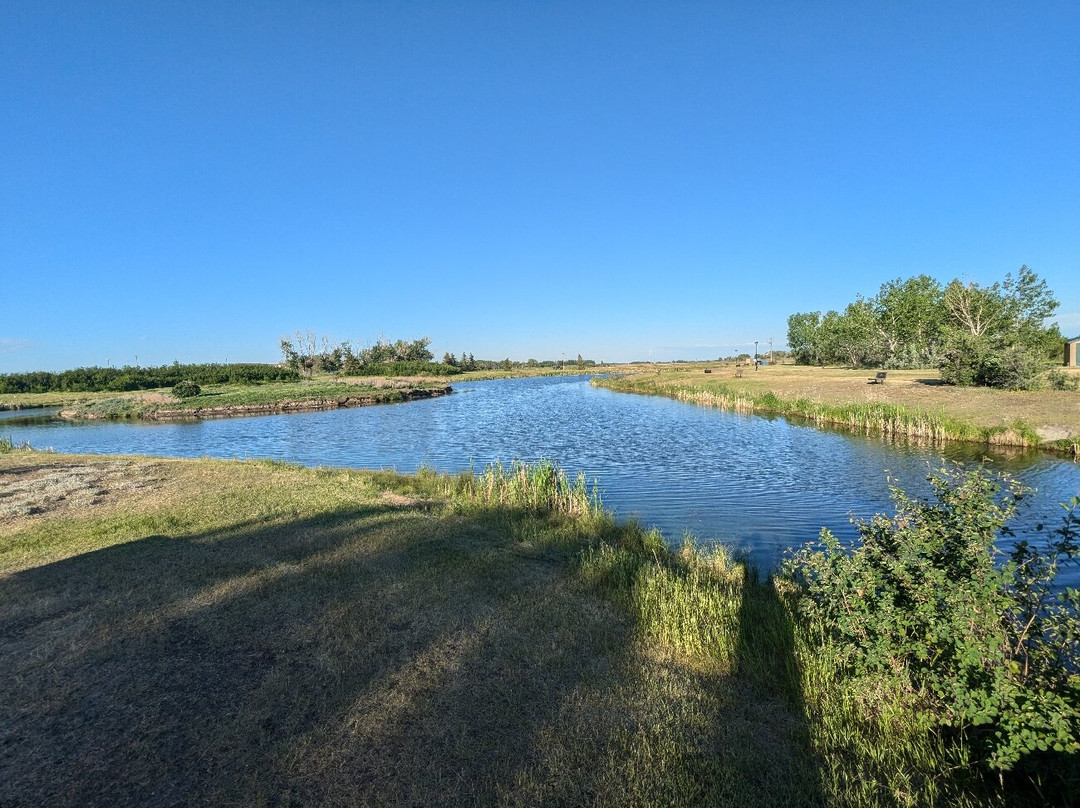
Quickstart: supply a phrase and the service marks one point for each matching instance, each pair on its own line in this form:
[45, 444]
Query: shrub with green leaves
[988, 650]
[186, 389]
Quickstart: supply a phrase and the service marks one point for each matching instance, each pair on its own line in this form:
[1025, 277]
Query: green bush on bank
[186, 389]
[985, 652]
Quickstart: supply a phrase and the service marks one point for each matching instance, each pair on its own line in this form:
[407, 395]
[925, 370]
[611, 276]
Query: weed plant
[978, 655]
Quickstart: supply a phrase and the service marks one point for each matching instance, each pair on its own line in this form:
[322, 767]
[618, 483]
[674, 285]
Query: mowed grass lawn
[246, 633]
[203, 632]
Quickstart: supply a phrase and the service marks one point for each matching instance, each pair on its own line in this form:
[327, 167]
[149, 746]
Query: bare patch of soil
[157, 398]
[51, 488]
[397, 500]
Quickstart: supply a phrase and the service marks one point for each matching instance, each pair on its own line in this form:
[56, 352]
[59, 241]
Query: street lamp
[755, 354]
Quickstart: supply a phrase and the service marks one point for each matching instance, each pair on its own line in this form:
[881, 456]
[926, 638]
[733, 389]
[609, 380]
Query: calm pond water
[761, 484]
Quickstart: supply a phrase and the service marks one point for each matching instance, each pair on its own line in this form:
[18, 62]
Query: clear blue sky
[193, 180]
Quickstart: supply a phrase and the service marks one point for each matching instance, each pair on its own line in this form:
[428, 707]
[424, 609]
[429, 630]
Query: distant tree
[288, 350]
[804, 337]
[910, 321]
[449, 359]
[995, 335]
[301, 353]
[985, 335]
[855, 339]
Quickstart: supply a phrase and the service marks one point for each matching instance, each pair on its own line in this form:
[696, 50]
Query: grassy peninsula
[255, 633]
[228, 400]
[911, 403]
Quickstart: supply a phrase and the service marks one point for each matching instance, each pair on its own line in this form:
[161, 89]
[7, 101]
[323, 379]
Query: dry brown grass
[1054, 413]
[53, 487]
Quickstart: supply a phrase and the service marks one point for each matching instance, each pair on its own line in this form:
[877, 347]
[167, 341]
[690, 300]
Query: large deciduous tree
[987, 335]
[803, 337]
[996, 334]
[909, 321]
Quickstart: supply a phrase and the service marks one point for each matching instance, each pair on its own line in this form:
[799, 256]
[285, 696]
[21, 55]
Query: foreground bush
[986, 652]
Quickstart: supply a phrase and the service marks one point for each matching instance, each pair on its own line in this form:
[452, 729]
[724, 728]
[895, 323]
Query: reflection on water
[763, 484]
[16, 418]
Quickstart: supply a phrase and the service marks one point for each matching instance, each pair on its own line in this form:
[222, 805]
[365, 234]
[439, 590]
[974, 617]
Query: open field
[1045, 416]
[253, 633]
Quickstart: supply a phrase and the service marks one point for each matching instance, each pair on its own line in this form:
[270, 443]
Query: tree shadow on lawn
[372, 656]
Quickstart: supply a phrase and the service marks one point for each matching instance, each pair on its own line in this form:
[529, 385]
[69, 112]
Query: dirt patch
[397, 500]
[1053, 432]
[157, 398]
[42, 489]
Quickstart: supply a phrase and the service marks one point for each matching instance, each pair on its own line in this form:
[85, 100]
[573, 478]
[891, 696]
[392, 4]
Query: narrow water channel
[761, 484]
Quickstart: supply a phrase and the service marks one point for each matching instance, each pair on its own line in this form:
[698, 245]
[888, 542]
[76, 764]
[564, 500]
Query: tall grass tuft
[542, 487]
[688, 602]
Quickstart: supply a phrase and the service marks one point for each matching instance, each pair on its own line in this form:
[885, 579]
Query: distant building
[1072, 349]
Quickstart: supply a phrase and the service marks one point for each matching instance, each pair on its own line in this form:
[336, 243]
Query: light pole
[755, 355]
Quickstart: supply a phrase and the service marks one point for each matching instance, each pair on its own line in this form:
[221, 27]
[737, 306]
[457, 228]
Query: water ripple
[761, 483]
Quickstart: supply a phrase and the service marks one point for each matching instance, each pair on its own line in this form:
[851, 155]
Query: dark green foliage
[405, 368]
[803, 338]
[988, 650]
[186, 389]
[995, 334]
[97, 379]
[1056, 380]
[385, 358]
[303, 355]
[992, 336]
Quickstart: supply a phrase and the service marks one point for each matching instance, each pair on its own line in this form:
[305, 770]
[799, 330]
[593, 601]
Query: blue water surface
[760, 484]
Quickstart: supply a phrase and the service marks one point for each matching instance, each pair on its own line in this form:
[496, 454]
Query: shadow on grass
[773, 709]
[370, 656]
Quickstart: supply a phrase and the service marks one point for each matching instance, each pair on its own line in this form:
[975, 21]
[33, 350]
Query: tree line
[974, 335]
[308, 353]
[109, 379]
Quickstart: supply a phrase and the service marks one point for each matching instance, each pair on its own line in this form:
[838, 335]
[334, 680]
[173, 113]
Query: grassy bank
[330, 385]
[905, 406]
[210, 632]
[228, 400]
[35, 401]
